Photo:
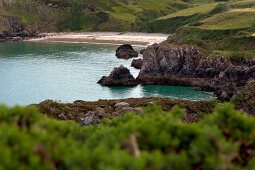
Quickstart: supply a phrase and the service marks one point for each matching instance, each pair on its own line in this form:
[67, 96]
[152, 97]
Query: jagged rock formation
[120, 76]
[137, 63]
[126, 51]
[164, 64]
[167, 65]
[245, 98]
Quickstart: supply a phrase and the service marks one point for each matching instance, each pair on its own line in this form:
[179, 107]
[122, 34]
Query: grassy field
[230, 20]
[225, 27]
[203, 9]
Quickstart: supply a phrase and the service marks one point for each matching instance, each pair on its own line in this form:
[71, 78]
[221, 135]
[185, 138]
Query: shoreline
[107, 108]
[110, 38]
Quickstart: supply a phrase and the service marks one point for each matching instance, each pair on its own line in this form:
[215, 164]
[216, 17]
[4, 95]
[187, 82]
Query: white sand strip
[104, 38]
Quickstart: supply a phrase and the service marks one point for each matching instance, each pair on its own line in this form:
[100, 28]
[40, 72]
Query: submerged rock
[137, 63]
[126, 51]
[120, 76]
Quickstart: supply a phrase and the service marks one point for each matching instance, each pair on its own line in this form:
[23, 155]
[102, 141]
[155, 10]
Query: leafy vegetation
[151, 140]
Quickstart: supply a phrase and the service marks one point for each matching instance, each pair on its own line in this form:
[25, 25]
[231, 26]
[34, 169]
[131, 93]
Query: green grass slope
[226, 26]
[107, 15]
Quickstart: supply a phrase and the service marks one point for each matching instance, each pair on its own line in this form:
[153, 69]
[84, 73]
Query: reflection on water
[177, 92]
[33, 72]
[121, 91]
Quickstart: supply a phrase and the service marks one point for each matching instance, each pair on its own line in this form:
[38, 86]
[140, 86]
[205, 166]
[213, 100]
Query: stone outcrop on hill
[120, 76]
[11, 28]
[126, 51]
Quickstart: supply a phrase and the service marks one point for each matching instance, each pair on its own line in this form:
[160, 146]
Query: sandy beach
[142, 39]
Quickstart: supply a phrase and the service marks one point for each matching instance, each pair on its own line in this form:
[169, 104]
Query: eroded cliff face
[8, 24]
[164, 64]
[167, 65]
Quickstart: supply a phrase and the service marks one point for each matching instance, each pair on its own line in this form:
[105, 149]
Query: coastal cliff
[164, 64]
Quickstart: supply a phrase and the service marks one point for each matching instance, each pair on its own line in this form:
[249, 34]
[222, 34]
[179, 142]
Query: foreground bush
[151, 140]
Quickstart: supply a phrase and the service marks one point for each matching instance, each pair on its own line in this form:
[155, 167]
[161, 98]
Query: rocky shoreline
[92, 113]
[164, 64]
[16, 31]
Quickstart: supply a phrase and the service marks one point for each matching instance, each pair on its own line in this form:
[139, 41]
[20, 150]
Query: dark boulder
[120, 76]
[126, 51]
[142, 51]
[137, 63]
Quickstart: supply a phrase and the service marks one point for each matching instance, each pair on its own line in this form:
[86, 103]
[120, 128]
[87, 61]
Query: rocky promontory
[164, 64]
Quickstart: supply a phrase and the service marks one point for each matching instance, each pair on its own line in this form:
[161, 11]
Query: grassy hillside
[226, 26]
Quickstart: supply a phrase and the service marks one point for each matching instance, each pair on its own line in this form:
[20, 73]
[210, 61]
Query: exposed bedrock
[244, 99]
[137, 63]
[11, 28]
[126, 51]
[164, 64]
[120, 76]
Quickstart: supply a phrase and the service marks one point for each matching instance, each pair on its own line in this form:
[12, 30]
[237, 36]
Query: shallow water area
[34, 71]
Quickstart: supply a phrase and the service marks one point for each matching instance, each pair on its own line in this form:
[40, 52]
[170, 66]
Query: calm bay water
[33, 72]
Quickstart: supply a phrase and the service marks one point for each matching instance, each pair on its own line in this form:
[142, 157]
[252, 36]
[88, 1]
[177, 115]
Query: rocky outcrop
[164, 64]
[93, 112]
[142, 51]
[137, 63]
[120, 76]
[244, 99]
[126, 51]
[11, 28]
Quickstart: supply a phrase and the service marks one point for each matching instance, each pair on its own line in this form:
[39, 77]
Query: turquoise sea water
[33, 72]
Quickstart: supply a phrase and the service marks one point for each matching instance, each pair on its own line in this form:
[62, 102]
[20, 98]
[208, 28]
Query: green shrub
[223, 140]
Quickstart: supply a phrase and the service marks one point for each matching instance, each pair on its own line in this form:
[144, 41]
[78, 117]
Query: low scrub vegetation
[153, 139]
